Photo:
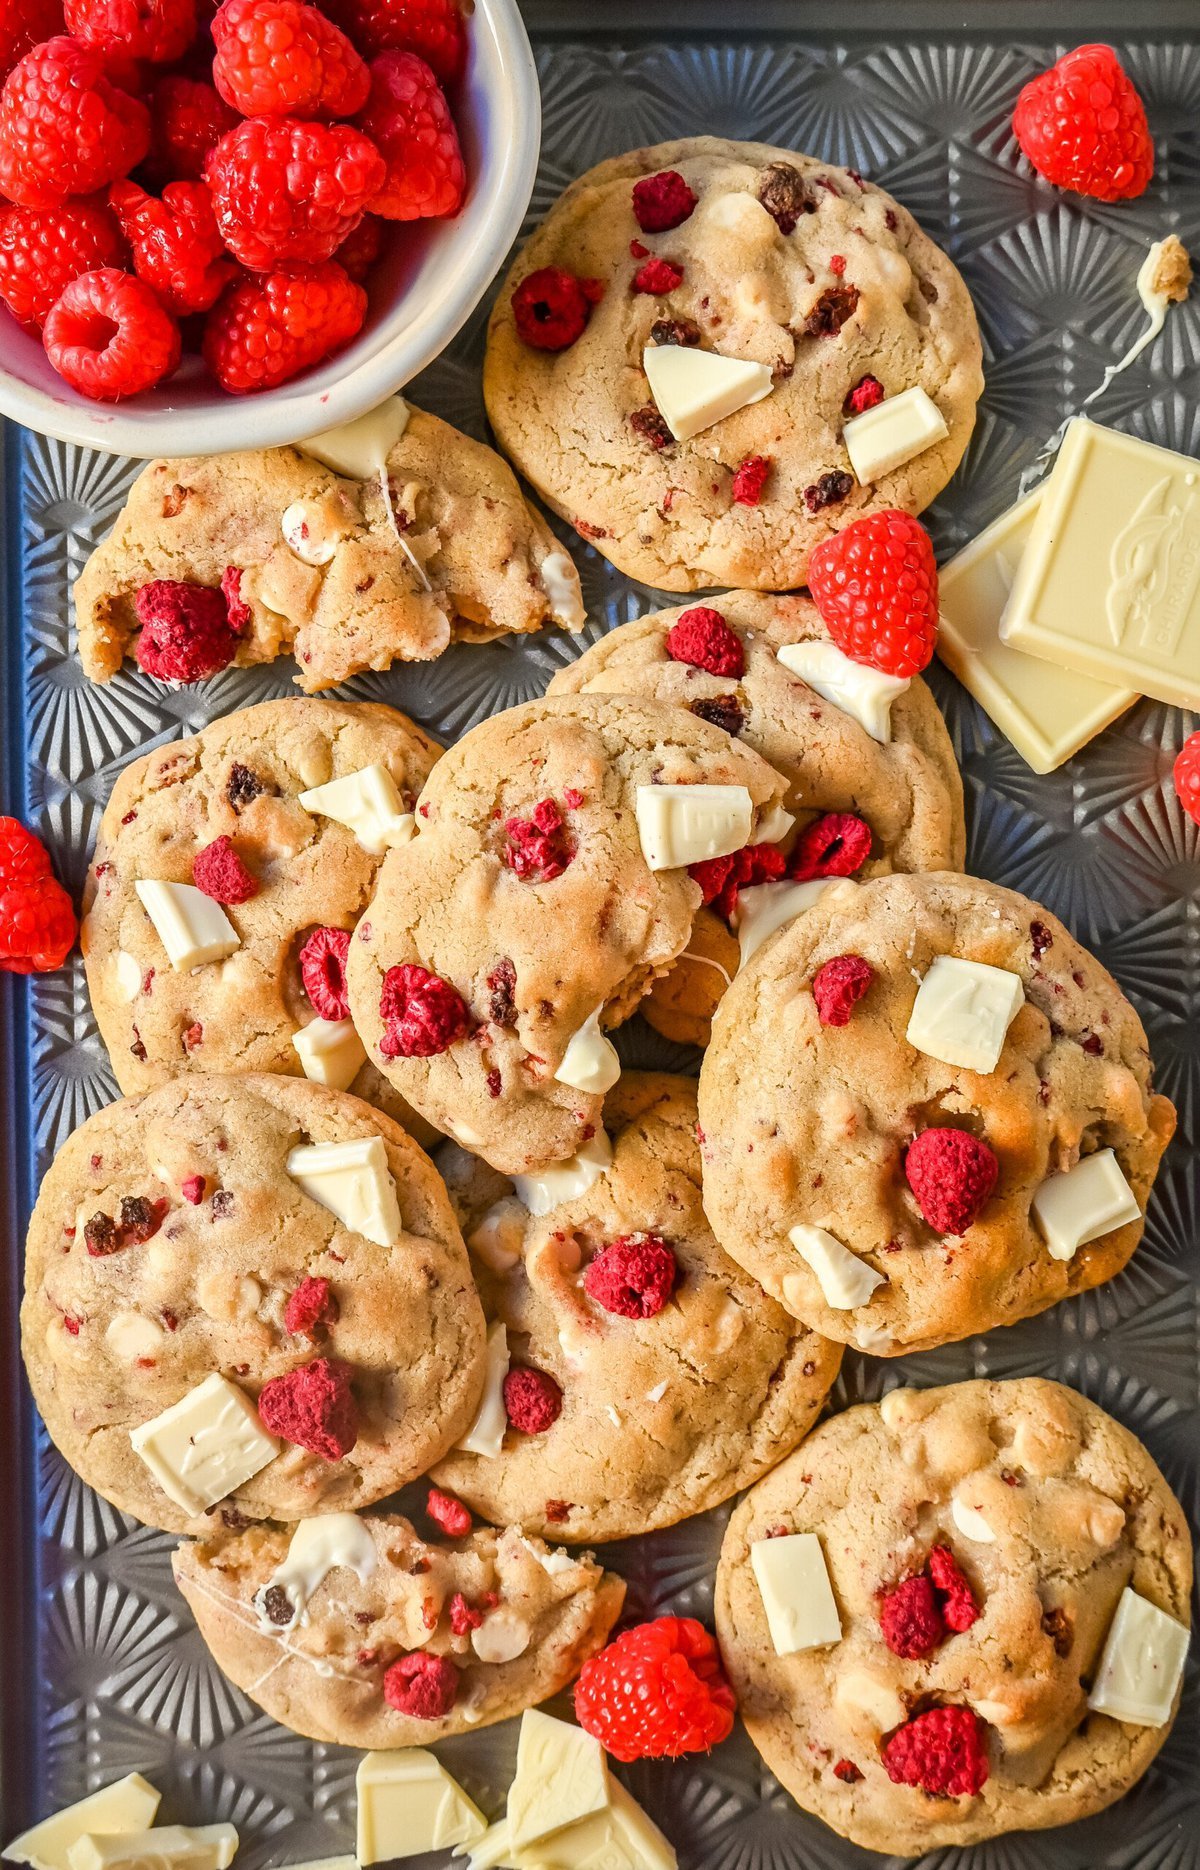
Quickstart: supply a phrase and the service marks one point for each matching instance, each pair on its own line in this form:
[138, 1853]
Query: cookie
[907, 788]
[225, 806]
[546, 887]
[311, 1622]
[680, 1380]
[818, 288]
[977, 1540]
[297, 560]
[882, 1162]
[174, 1246]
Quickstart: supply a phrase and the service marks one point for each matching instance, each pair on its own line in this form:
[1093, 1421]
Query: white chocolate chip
[561, 582]
[971, 1523]
[308, 532]
[502, 1636]
[498, 1237]
[127, 976]
[131, 1335]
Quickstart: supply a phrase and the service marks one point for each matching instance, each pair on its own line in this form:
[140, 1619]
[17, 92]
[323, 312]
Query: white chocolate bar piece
[694, 388]
[846, 1282]
[368, 803]
[963, 1011]
[129, 1804]
[895, 431]
[793, 1581]
[353, 1181]
[864, 693]
[1142, 1663]
[1087, 1201]
[191, 926]
[409, 1804]
[206, 1445]
[680, 825]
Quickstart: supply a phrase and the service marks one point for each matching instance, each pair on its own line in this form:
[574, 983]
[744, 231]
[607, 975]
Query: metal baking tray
[103, 1671]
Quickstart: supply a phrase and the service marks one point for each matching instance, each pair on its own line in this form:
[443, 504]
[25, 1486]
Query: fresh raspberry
[221, 874]
[834, 845]
[749, 480]
[313, 1407]
[875, 584]
[312, 1304]
[1186, 775]
[158, 31]
[175, 244]
[409, 121]
[65, 127]
[185, 631]
[290, 192]
[702, 638]
[944, 1751]
[532, 1399]
[866, 393]
[361, 248]
[263, 331]
[37, 920]
[752, 865]
[109, 337]
[1083, 126]
[958, 1602]
[24, 24]
[657, 277]
[43, 249]
[433, 29]
[657, 1692]
[423, 1013]
[662, 201]
[421, 1686]
[952, 1174]
[23, 857]
[633, 1276]
[448, 1513]
[538, 848]
[910, 1619]
[187, 121]
[551, 307]
[323, 971]
[839, 986]
[282, 58]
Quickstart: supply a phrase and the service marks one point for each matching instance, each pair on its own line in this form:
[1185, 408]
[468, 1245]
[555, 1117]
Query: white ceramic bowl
[421, 293]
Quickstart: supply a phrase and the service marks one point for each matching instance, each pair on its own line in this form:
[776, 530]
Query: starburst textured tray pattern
[105, 1671]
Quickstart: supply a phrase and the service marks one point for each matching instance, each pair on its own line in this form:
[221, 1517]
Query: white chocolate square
[162, 1847]
[694, 388]
[409, 1804]
[893, 432]
[191, 926]
[864, 693]
[353, 1181]
[562, 1776]
[680, 825]
[963, 1011]
[366, 802]
[206, 1445]
[544, 1189]
[1142, 1663]
[590, 1062]
[129, 1804]
[846, 1282]
[331, 1052]
[1083, 1203]
[765, 907]
[793, 1582]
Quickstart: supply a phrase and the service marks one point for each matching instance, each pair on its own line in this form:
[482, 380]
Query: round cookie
[314, 1648]
[169, 1242]
[663, 1415]
[908, 789]
[811, 1125]
[526, 907]
[782, 261]
[1073, 1511]
[239, 779]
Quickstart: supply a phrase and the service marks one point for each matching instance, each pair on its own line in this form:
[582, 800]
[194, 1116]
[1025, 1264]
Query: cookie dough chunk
[963, 1553]
[677, 1380]
[357, 1631]
[703, 276]
[892, 1085]
[323, 567]
[277, 1265]
[906, 788]
[547, 886]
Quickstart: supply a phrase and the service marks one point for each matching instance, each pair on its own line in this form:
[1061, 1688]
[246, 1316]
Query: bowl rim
[290, 413]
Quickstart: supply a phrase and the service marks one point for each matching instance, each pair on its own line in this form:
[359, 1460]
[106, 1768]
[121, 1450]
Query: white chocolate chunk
[619, 1838]
[861, 1692]
[774, 827]
[793, 1582]
[368, 804]
[564, 1181]
[331, 1052]
[893, 432]
[129, 1804]
[845, 1281]
[127, 976]
[962, 1012]
[486, 1433]
[206, 1445]
[327, 1542]
[191, 926]
[562, 1776]
[491, 1852]
[409, 1804]
[163, 1847]
[498, 1238]
[765, 907]
[680, 825]
[694, 388]
[503, 1635]
[130, 1335]
[1085, 1202]
[561, 582]
[1142, 1663]
[864, 693]
[353, 1181]
[359, 450]
[590, 1062]
[971, 1523]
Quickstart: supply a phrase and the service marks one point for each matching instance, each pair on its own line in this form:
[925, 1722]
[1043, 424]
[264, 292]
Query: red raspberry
[750, 479]
[712, 874]
[282, 58]
[532, 1400]
[875, 584]
[360, 249]
[421, 1686]
[286, 191]
[958, 1603]
[952, 1174]
[633, 1276]
[1083, 126]
[43, 249]
[23, 857]
[185, 631]
[657, 1692]
[866, 393]
[911, 1620]
[839, 986]
[752, 865]
[551, 307]
[175, 243]
[266, 330]
[312, 1304]
[657, 276]
[423, 1013]
[464, 1617]
[312, 1407]
[159, 31]
[192, 1190]
[323, 971]
[187, 121]
[221, 874]
[450, 1514]
[37, 920]
[702, 638]
[409, 121]
[1186, 775]
[109, 337]
[24, 24]
[432, 28]
[944, 1751]
[65, 128]
[662, 201]
[538, 848]
[834, 845]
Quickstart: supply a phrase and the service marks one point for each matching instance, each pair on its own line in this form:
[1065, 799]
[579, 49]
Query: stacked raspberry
[276, 148]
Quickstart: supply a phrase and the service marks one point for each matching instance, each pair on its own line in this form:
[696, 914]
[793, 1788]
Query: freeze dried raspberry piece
[422, 1686]
[108, 336]
[175, 244]
[702, 638]
[192, 1189]
[749, 480]
[910, 1619]
[944, 1751]
[957, 1600]
[867, 392]
[722, 879]
[65, 127]
[649, 425]
[43, 249]
[835, 845]
[312, 1407]
[662, 201]
[323, 971]
[311, 1305]
[839, 986]
[633, 1276]
[465, 1617]
[185, 632]
[551, 307]
[532, 1399]
[448, 1513]
[221, 874]
[423, 1013]
[952, 1174]
[658, 277]
[829, 490]
[537, 847]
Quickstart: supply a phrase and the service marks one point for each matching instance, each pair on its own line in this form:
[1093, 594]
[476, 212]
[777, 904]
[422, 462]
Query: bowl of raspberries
[231, 225]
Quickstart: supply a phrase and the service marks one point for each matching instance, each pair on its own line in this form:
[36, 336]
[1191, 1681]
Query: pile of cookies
[318, 946]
